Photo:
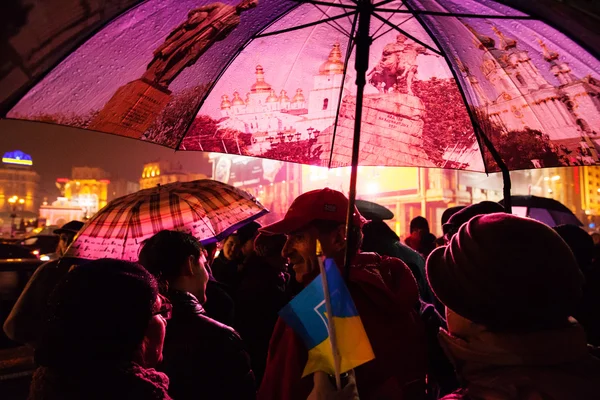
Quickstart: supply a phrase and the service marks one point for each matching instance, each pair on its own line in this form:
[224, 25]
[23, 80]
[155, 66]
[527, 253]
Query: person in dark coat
[23, 325]
[225, 267]
[588, 311]
[421, 239]
[102, 336]
[510, 285]
[261, 294]
[384, 292]
[202, 357]
[379, 238]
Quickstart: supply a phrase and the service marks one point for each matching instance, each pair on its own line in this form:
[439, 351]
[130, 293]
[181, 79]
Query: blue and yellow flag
[307, 316]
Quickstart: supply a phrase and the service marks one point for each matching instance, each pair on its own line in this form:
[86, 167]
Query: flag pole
[363, 43]
[331, 326]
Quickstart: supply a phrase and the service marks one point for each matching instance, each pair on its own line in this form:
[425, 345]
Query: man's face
[201, 275]
[301, 251]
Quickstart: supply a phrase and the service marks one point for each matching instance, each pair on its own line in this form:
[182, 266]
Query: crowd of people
[499, 308]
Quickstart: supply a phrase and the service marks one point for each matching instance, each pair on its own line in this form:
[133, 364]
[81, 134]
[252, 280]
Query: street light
[13, 205]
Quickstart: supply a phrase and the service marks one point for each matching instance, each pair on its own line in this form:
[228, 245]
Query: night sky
[56, 149]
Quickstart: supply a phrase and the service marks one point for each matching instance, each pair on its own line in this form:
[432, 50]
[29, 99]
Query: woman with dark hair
[104, 332]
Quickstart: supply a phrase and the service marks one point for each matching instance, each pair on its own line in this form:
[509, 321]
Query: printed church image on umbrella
[202, 77]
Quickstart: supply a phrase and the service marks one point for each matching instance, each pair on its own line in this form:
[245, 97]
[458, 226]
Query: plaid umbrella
[207, 209]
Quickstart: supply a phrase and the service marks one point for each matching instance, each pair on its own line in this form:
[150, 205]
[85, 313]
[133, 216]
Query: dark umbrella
[549, 211]
[372, 211]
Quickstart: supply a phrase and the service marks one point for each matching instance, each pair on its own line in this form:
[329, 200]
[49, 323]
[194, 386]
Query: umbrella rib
[348, 17]
[220, 74]
[307, 25]
[199, 216]
[349, 49]
[392, 12]
[408, 35]
[457, 15]
[332, 23]
[326, 3]
[391, 29]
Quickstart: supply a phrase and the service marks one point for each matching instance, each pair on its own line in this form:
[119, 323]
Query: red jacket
[385, 293]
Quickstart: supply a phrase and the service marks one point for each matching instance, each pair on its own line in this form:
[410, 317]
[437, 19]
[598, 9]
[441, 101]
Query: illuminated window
[152, 173]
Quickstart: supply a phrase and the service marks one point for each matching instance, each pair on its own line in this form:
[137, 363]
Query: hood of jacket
[554, 364]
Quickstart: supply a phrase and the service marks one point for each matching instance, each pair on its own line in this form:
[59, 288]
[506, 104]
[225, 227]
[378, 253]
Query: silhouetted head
[419, 224]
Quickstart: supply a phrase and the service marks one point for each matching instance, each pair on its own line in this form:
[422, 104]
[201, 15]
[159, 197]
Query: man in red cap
[383, 289]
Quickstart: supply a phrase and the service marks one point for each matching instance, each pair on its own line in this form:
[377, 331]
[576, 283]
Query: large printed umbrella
[207, 209]
[463, 84]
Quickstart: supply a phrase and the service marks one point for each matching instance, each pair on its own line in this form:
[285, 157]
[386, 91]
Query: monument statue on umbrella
[186, 43]
[135, 106]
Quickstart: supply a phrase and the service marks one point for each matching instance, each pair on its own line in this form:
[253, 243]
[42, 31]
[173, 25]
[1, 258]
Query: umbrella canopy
[207, 209]
[445, 79]
[549, 211]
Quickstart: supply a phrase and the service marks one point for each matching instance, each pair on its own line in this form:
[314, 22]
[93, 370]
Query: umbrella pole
[363, 42]
[506, 190]
[505, 172]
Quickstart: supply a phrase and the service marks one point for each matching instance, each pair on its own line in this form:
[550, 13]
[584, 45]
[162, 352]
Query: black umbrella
[549, 211]
[372, 211]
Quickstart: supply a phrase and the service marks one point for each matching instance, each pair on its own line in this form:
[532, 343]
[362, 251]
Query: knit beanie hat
[507, 273]
[466, 213]
[98, 314]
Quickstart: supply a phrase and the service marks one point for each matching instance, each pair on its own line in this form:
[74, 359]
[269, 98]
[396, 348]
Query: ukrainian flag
[307, 316]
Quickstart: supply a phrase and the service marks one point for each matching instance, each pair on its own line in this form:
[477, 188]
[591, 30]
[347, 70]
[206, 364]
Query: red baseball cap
[325, 204]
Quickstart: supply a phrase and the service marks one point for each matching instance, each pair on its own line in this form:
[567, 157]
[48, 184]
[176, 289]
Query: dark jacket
[549, 365]
[219, 304]
[261, 294]
[202, 357]
[96, 383]
[226, 271]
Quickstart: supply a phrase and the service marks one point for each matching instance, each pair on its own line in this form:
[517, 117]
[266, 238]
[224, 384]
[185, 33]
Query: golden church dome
[225, 103]
[334, 64]
[237, 100]
[272, 97]
[299, 97]
[260, 86]
[283, 97]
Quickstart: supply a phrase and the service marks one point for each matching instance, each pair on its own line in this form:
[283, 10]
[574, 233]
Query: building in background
[121, 187]
[87, 188]
[275, 184]
[18, 178]
[61, 211]
[163, 172]
[81, 196]
[18, 193]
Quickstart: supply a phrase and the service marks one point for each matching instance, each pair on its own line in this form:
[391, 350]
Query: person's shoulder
[216, 330]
